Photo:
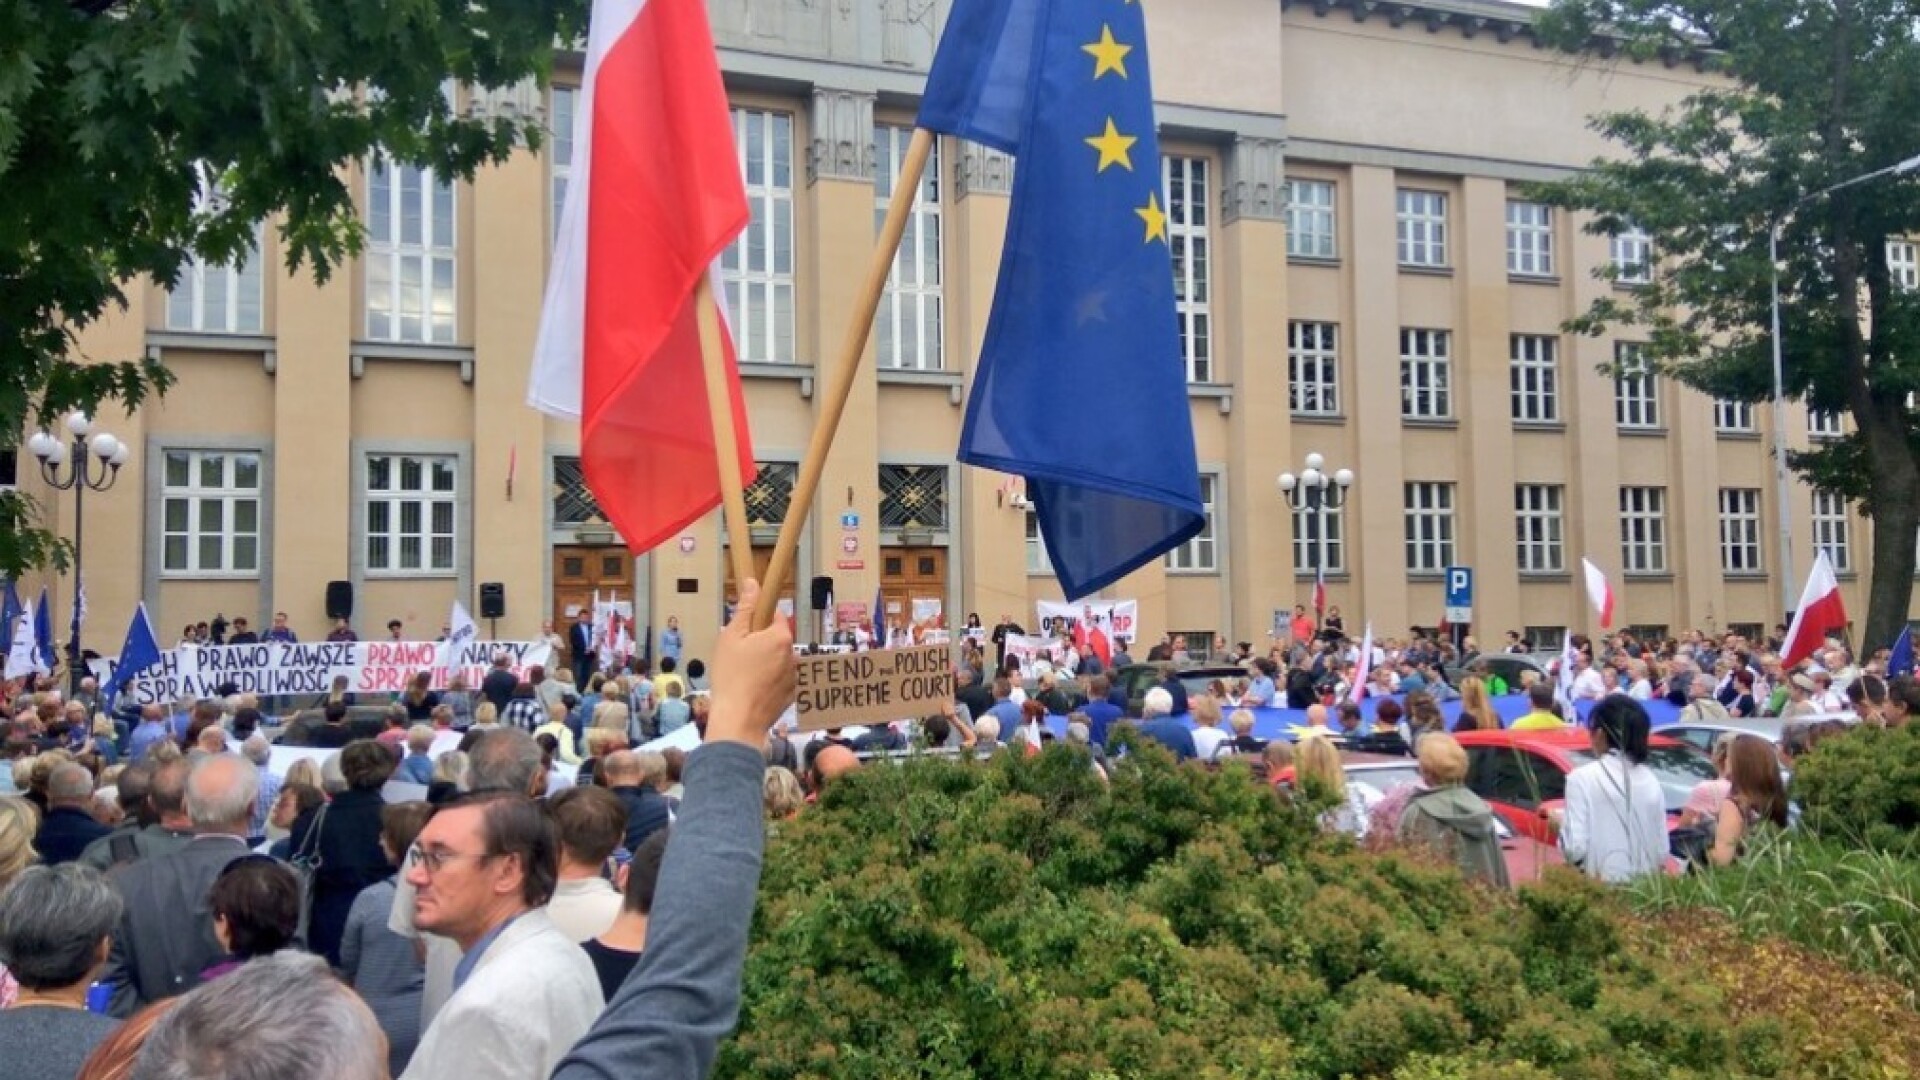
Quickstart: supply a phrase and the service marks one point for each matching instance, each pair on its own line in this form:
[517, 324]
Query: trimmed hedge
[1019, 919]
[1863, 787]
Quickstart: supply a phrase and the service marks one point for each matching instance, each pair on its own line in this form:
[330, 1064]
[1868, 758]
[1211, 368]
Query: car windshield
[1680, 769]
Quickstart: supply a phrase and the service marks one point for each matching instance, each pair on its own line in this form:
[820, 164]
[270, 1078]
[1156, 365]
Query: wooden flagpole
[726, 440]
[853, 346]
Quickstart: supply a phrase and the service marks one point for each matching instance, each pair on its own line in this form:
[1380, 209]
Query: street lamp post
[1783, 485]
[1316, 491]
[93, 464]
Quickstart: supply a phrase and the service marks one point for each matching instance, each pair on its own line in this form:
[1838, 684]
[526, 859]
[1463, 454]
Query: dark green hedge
[1863, 787]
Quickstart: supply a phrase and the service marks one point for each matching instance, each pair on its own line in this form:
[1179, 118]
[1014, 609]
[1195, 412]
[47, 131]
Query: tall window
[758, 268]
[216, 299]
[1643, 530]
[910, 310]
[1429, 509]
[1539, 528]
[1632, 254]
[1422, 227]
[1426, 375]
[1529, 238]
[1198, 554]
[1313, 368]
[1903, 263]
[410, 513]
[1733, 417]
[1823, 423]
[1310, 232]
[1636, 397]
[411, 255]
[1830, 530]
[1534, 378]
[566, 99]
[210, 508]
[1740, 530]
[1185, 179]
[1037, 562]
[1306, 534]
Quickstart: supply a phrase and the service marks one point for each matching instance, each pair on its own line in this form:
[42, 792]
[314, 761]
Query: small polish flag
[1820, 611]
[1599, 593]
[1362, 668]
[1319, 592]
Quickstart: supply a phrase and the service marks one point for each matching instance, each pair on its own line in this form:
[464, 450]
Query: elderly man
[153, 730]
[483, 871]
[259, 751]
[69, 825]
[284, 1016]
[634, 778]
[159, 818]
[1701, 706]
[1157, 723]
[166, 938]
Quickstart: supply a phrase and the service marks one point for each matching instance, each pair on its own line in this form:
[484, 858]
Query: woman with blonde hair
[19, 821]
[305, 772]
[556, 726]
[611, 714]
[1317, 772]
[1476, 708]
[1207, 733]
[485, 715]
[781, 794]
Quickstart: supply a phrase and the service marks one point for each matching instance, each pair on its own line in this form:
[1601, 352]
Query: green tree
[111, 114]
[1802, 96]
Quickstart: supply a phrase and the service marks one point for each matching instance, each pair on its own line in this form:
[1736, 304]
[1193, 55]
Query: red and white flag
[1319, 592]
[1599, 593]
[1820, 611]
[655, 198]
[1362, 668]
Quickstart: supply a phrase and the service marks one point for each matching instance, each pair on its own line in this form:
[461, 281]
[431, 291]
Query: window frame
[1726, 414]
[912, 308]
[388, 254]
[395, 497]
[1636, 390]
[1825, 424]
[1630, 254]
[1420, 228]
[1300, 214]
[1321, 358]
[1530, 242]
[1540, 528]
[762, 300]
[1037, 561]
[1426, 371]
[1201, 555]
[1832, 528]
[1741, 550]
[560, 151]
[1534, 378]
[1643, 510]
[1303, 534]
[196, 494]
[1190, 243]
[1431, 535]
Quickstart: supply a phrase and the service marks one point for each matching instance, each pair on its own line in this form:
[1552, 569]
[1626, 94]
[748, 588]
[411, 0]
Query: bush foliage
[1863, 787]
[1020, 920]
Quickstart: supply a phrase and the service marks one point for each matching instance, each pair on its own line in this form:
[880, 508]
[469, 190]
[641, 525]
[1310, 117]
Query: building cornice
[1503, 21]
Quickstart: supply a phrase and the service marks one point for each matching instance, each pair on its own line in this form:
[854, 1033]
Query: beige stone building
[1360, 274]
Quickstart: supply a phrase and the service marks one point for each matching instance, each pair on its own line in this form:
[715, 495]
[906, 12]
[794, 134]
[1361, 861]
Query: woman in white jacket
[1614, 825]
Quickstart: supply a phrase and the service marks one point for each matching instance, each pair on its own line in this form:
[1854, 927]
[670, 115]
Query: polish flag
[1319, 592]
[656, 196]
[1599, 593]
[1820, 611]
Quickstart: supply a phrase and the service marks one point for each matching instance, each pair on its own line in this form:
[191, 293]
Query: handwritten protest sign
[275, 668]
[873, 687]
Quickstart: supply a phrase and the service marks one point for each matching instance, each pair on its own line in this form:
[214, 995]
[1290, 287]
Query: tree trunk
[1896, 518]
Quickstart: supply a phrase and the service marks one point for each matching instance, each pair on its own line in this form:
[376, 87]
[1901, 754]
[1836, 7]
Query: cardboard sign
[874, 687]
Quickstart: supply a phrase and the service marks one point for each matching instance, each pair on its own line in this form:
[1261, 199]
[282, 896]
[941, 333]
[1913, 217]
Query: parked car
[1137, 679]
[1508, 666]
[1523, 774]
[1702, 733]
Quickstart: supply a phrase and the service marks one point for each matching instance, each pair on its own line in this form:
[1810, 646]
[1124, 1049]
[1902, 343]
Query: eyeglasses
[435, 860]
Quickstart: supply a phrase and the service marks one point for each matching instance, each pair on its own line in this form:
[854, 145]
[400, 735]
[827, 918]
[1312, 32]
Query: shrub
[1863, 787]
[1019, 920]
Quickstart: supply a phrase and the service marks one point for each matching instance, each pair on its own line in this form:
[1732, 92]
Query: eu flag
[1900, 661]
[1080, 387]
[139, 652]
[43, 632]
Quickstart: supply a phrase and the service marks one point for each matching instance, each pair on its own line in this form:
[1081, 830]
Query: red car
[1523, 774]
[1526, 858]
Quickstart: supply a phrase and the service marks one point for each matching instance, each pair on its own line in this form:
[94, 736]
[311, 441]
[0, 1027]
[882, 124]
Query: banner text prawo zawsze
[876, 687]
[280, 669]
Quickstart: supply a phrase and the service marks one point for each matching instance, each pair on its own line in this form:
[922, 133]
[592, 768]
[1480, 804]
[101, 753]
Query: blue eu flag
[1900, 662]
[140, 652]
[43, 632]
[1081, 387]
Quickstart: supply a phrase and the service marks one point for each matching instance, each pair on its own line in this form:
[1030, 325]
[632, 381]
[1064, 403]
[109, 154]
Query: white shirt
[1208, 740]
[1589, 686]
[1616, 820]
[584, 908]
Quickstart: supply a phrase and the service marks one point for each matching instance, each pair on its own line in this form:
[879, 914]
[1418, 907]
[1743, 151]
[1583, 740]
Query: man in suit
[165, 939]
[580, 647]
[69, 825]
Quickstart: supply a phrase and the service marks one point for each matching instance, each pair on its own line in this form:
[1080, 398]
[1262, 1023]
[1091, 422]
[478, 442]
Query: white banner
[277, 668]
[1115, 618]
[1028, 648]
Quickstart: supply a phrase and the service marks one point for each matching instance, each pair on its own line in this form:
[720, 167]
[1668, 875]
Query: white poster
[1113, 618]
[273, 668]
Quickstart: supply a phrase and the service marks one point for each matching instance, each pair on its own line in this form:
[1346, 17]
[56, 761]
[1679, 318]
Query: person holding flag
[140, 651]
[461, 632]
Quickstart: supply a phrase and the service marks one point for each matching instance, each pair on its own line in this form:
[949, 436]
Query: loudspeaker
[493, 600]
[339, 599]
[822, 593]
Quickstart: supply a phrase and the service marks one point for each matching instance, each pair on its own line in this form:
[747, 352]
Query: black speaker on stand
[339, 599]
[493, 604]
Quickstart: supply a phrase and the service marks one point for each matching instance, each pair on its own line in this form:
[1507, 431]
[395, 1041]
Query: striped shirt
[524, 713]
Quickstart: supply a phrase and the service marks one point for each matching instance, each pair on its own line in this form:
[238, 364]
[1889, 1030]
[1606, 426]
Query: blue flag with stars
[1081, 385]
[1900, 661]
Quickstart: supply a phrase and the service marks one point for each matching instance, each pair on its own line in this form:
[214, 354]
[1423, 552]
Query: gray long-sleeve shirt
[667, 1021]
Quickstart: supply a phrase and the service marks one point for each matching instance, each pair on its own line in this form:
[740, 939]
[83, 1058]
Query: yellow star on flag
[1108, 54]
[1113, 147]
[1155, 218]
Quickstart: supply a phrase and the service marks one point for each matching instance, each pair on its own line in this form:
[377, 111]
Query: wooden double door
[913, 585]
[579, 572]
